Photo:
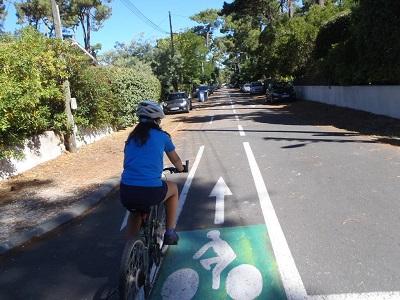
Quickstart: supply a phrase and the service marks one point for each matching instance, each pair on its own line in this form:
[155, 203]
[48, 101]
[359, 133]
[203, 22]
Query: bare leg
[133, 225]
[171, 202]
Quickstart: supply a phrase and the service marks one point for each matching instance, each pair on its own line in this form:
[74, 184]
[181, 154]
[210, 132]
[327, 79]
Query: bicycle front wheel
[132, 274]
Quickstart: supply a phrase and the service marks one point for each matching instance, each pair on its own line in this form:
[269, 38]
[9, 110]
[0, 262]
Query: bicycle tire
[132, 270]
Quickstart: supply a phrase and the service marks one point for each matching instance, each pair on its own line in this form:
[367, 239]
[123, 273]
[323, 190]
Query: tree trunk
[82, 20]
[290, 8]
[87, 47]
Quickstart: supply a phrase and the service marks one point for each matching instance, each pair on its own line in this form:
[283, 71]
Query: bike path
[238, 252]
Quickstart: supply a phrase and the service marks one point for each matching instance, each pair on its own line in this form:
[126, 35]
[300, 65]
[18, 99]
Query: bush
[32, 71]
[129, 87]
[31, 98]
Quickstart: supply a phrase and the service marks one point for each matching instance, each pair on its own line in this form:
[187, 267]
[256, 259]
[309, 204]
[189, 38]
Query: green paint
[251, 245]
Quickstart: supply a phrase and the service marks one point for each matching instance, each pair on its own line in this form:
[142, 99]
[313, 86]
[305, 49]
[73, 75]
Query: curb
[65, 216]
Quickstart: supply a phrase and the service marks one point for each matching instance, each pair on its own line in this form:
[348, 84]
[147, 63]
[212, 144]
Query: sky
[125, 26]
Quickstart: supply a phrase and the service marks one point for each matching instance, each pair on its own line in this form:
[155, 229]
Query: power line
[141, 16]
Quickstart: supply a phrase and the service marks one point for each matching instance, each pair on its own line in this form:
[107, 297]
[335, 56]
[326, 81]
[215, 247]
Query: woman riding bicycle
[141, 185]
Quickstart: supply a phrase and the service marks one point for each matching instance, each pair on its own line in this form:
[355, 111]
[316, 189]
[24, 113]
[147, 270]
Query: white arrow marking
[219, 191]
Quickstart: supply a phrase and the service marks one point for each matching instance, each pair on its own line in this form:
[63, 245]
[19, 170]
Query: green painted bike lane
[220, 263]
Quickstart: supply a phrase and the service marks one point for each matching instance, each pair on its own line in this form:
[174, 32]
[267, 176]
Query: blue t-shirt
[143, 165]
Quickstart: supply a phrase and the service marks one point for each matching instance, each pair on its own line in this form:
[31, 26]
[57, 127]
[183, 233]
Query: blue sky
[124, 26]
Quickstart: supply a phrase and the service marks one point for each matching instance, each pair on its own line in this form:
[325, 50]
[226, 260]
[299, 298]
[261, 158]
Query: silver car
[256, 88]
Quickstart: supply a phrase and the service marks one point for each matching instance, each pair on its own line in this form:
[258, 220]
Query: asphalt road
[299, 211]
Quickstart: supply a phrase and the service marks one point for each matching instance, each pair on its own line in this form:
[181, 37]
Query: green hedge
[358, 48]
[130, 86]
[31, 98]
[32, 70]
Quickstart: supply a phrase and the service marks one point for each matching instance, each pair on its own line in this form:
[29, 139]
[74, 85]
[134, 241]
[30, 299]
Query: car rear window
[176, 96]
[256, 84]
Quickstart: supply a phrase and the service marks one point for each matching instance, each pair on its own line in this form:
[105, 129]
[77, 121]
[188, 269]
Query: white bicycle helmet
[149, 109]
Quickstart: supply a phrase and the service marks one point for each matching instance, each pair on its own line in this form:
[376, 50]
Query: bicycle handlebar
[175, 170]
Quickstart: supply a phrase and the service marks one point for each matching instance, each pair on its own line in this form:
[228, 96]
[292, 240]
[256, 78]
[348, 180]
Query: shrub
[130, 86]
[31, 98]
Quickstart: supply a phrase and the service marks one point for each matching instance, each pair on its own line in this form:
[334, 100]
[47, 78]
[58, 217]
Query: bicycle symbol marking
[243, 282]
[225, 256]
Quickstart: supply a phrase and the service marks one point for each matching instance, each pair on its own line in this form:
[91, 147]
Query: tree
[37, 12]
[91, 15]
[2, 13]
[129, 55]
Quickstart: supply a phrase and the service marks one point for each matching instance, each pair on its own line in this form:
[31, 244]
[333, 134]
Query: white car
[246, 88]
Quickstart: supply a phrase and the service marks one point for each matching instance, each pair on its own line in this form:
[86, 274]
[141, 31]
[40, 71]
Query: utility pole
[172, 35]
[70, 139]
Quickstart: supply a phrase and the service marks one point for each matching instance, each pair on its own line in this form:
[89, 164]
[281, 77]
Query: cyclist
[141, 185]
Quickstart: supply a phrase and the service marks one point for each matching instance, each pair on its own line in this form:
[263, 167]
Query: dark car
[280, 91]
[176, 102]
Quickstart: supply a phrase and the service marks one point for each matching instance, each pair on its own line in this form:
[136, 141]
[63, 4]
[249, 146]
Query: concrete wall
[380, 100]
[44, 147]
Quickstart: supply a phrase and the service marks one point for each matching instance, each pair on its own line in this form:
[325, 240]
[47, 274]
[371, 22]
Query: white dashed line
[212, 118]
[241, 132]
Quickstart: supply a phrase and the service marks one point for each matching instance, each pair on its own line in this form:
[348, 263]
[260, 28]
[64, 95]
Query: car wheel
[187, 109]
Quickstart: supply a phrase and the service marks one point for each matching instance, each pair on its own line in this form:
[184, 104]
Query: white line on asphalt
[361, 296]
[212, 118]
[124, 221]
[241, 132]
[237, 118]
[253, 106]
[188, 182]
[234, 111]
[185, 189]
[291, 279]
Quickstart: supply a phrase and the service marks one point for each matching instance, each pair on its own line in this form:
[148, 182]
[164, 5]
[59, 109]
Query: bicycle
[143, 253]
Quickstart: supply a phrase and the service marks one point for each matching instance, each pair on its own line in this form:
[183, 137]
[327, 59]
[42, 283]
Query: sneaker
[171, 237]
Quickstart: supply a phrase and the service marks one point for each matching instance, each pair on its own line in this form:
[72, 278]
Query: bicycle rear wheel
[132, 274]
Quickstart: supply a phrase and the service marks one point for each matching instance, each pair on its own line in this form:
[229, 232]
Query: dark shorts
[142, 197]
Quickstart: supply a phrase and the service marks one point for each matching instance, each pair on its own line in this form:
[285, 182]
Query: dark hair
[140, 134]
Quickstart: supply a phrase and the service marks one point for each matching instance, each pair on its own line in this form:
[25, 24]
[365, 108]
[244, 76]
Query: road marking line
[185, 190]
[234, 111]
[212, 118]
[237, 118]
[290, 276]
[188, 182]
[241, 132]
[124, 221]
[253, 106]
[360, 296]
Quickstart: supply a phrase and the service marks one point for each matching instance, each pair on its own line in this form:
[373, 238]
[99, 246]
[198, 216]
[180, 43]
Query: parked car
[176, 102]
[246, 88]
[256, 88]
[279, 91]
[205, 90]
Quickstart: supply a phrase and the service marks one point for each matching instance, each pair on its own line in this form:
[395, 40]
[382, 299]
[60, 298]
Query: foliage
[31, 98]
[187, 65]
[375, 34]
[32, 71]
[3, 14]
[129, 87]
[91, 15]
[137, 53]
